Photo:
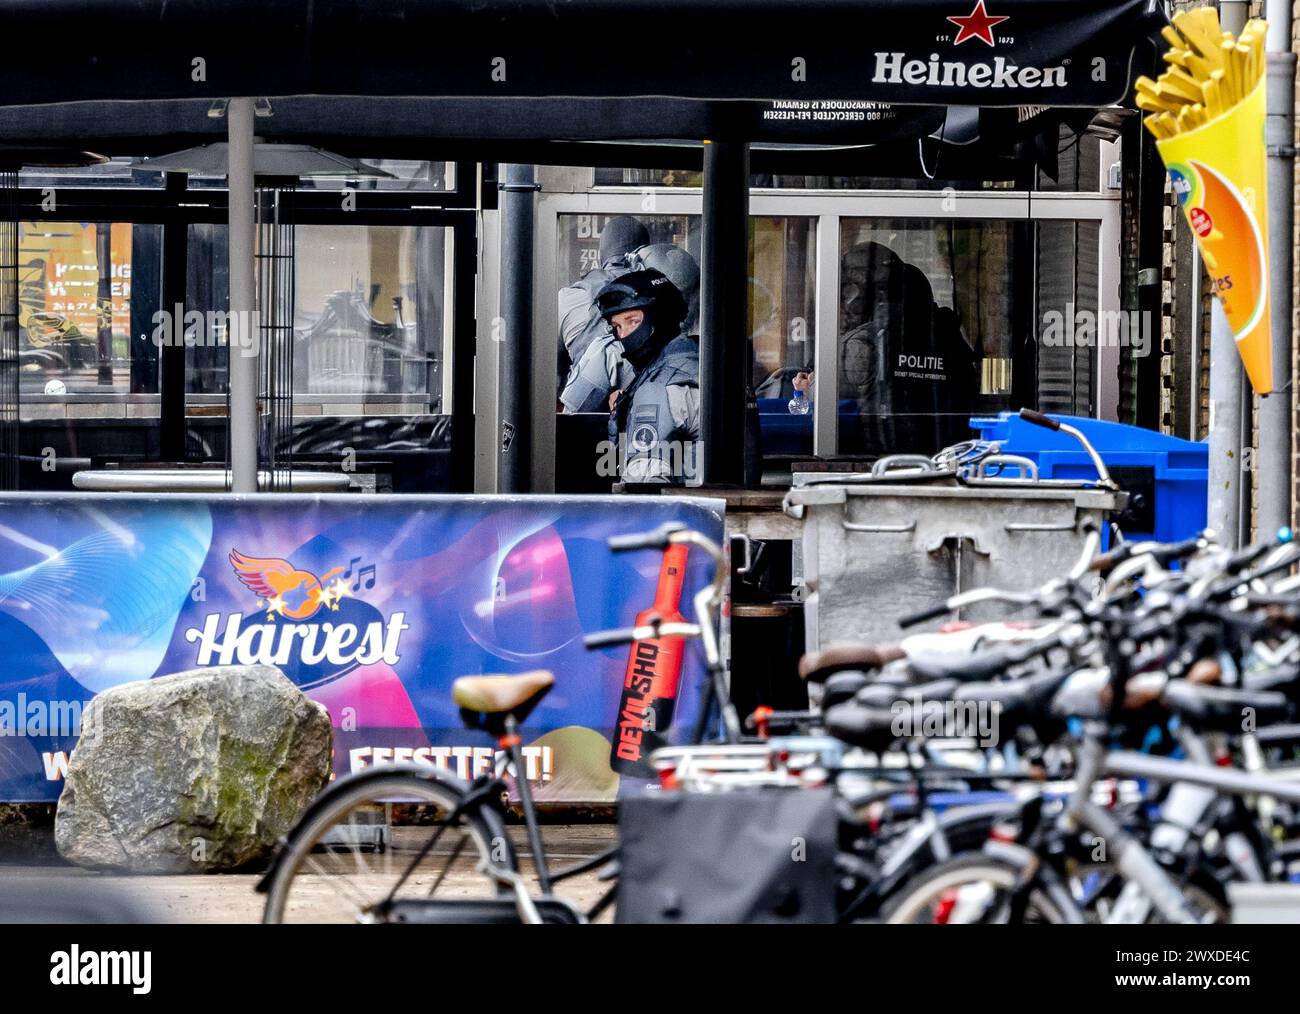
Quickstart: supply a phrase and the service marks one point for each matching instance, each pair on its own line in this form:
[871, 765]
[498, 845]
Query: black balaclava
[642, 345]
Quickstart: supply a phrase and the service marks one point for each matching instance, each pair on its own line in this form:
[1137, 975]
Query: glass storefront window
[781, 282]
[207, 290]
[371, 325]
[579, 250]
[369, 313]
[797, 181]
[1078, 164]
[941, 319]
[782, 293]
[933, 322]
[88, 295]
[407, 174]
[1070, 332]
[606, 177]
[580, 273]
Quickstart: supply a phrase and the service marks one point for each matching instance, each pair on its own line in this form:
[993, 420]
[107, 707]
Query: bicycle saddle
[883, 695]
[869, 728]
[815, 666]
[982, 665]
[841, 687]
[1015, 698]
[485, 701]
[1223, 708]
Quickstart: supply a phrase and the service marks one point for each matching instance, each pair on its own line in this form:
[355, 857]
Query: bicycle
[347, 848]
[1164, 870]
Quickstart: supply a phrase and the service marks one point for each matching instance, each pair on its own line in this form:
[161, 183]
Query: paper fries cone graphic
[1208, 120]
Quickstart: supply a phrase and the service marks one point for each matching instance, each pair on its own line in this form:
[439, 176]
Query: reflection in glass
[923, 304]
[364, 324]
[370, 319]
[83, 331]
[782, 313]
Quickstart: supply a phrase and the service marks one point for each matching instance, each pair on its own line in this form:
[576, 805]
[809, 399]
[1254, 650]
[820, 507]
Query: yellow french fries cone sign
[1219, 175]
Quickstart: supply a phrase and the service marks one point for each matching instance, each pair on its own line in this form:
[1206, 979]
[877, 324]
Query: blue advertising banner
[372, 605]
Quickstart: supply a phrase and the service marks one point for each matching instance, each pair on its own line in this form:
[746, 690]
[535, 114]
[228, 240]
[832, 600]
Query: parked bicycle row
[1124, 745]
[1115, 750]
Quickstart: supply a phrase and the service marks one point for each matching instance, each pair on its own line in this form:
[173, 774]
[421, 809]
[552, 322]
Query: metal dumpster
[872, 553]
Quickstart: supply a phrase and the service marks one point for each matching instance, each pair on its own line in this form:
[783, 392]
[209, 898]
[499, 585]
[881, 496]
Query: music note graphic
[368, 569]
[367, 572]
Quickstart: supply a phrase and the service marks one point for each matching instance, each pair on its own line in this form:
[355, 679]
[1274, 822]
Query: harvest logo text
[292, 631]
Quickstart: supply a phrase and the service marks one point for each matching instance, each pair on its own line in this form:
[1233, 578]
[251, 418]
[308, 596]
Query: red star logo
[977, 25]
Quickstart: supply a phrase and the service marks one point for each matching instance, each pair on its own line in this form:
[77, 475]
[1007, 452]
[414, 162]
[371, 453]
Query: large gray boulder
[201, 770]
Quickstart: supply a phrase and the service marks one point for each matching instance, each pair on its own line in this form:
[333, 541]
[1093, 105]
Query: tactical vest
[677, 364]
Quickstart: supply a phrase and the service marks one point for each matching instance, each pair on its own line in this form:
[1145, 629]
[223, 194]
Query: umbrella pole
[243, 334]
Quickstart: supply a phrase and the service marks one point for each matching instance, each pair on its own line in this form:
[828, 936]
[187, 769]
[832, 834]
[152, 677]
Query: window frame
[175, 208]
[827, 207]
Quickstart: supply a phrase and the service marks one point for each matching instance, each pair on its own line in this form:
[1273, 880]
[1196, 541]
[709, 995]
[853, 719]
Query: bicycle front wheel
[384, 848]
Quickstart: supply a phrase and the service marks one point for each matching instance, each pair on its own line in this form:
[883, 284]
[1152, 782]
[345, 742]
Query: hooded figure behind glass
[580, 323]
[902, 361]
[600, 370]
[655, 420]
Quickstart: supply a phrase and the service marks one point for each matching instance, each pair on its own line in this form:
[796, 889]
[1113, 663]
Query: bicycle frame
[1130, 856]
[485, 791]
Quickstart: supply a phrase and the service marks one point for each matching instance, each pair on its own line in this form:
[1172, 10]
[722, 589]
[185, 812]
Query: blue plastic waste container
[1167, 478]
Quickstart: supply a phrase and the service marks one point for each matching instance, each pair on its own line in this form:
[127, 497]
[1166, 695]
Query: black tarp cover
[811, 64]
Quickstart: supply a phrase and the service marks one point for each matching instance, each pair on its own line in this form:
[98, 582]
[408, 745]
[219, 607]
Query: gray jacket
[658, 417]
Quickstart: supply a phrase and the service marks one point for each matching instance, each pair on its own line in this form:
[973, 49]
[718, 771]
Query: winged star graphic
[288, 590]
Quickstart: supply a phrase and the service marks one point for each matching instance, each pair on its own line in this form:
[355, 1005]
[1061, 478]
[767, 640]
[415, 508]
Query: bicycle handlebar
[1163, 553]
[626, 635]
[1039, 419]
[660, 538]
[924, 616]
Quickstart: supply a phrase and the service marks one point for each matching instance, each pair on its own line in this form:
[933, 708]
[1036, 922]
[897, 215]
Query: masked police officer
[657, 414]
[580, 324]
[600, 370]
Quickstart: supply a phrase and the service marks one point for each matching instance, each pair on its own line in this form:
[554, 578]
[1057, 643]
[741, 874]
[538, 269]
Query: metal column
[9, 360]
[518, 194]
[1275, 411]
[826, 357]
[1228, 388]
[171, 355]
[243, 335]
[724, 312]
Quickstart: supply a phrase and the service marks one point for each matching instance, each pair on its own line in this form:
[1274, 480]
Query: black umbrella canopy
[803, 55]
[140, 127]
[614, 132]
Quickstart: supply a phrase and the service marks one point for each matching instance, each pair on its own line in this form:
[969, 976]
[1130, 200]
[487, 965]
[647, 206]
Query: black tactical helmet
[648, 290]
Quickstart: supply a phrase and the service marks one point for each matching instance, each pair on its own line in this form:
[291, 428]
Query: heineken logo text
[896, 68]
